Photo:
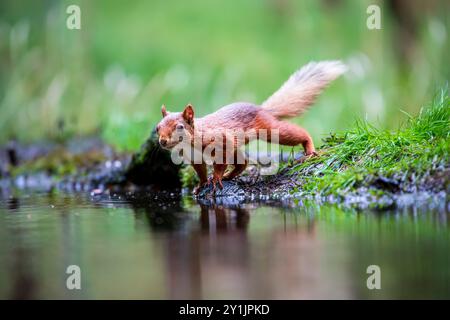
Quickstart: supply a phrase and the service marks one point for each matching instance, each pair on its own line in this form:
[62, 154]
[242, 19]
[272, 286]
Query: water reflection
[23, 281]
[213, 257]
[167, 246]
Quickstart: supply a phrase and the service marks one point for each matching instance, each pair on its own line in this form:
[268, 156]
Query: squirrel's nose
[163, 142]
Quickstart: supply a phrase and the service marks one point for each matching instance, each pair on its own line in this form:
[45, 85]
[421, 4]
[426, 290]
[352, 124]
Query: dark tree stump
[152, 165]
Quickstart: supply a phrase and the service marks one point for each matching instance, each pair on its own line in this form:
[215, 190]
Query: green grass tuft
[355, 158]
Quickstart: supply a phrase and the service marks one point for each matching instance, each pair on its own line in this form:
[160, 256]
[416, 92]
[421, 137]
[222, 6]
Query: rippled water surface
[159, 247]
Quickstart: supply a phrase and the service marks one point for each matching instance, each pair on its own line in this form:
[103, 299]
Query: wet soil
[89, 165]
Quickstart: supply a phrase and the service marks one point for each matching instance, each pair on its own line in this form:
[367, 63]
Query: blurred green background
[111, 77]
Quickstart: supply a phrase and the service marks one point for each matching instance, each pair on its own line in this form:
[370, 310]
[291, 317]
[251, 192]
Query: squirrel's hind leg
[293, 135]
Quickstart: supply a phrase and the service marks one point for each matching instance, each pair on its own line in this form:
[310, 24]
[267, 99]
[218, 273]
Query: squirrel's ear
[188, 114]
[163, 111]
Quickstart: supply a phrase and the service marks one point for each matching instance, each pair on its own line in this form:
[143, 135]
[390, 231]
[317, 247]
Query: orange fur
[292, 99]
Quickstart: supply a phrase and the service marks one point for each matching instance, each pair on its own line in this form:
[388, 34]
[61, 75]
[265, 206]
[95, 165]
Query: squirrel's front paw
[199, 186]
[214, 181]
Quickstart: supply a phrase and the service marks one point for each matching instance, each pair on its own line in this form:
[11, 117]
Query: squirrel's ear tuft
[163, 111]
[188, 114]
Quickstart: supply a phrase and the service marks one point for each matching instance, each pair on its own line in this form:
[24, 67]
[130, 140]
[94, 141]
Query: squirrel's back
[238, 115]
[292, 99]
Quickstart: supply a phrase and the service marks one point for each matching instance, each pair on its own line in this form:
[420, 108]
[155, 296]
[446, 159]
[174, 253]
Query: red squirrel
[292, 99]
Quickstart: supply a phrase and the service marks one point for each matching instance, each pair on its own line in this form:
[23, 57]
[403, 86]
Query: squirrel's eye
[180, 126]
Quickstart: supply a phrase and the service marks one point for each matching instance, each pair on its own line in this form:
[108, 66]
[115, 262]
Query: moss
[152, 165]
[364, 155]
[188, 177]
[59, 163]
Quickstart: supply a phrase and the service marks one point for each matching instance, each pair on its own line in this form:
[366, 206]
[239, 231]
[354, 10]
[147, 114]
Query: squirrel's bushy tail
[302, 88]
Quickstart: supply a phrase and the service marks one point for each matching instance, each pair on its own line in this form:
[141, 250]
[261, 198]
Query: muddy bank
[89, 165]
[79, 164]
[86, 164]
[376, 192]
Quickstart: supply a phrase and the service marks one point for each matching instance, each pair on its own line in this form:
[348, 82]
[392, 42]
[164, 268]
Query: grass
[351, 159]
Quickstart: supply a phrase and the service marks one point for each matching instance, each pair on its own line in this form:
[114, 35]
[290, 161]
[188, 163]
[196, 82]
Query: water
[171, 247]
